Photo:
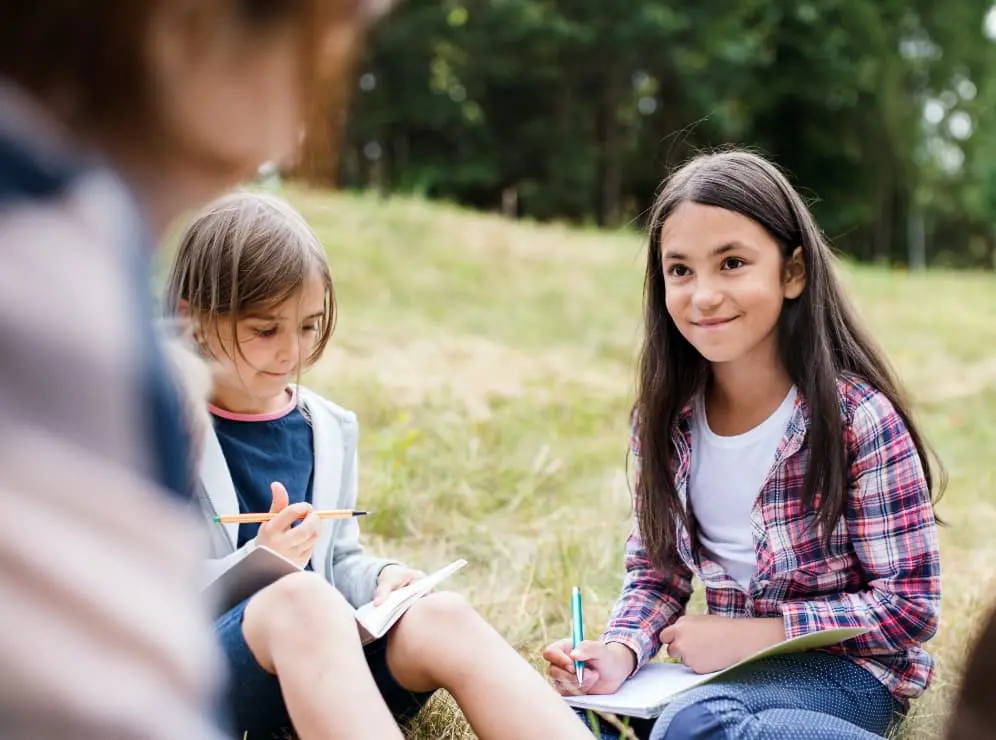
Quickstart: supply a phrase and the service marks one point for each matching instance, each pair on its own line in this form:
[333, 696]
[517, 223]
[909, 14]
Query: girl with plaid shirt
[778, 462]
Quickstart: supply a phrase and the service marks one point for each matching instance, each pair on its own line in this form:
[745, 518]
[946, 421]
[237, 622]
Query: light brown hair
[243, 254]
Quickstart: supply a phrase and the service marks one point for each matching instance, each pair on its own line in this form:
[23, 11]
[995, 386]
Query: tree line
[883, 111]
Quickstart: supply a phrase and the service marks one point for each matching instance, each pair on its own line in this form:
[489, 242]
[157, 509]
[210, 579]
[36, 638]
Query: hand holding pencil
[279, 533]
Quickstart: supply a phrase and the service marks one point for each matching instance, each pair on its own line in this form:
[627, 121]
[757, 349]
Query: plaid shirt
[881, 569]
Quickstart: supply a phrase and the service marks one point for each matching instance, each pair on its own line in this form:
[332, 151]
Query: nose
[290, 349]
[707, 296]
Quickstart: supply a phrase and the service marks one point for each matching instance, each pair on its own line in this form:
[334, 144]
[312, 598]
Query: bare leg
[301, 629]
[441, 642]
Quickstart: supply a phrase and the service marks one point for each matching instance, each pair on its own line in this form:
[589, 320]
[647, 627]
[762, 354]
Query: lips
[714, 323]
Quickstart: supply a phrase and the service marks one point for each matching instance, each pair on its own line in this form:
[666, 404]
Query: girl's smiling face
[268, 351]
[725, 280]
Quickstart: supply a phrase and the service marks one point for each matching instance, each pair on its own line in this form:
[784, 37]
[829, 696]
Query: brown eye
[678, 270]
[732, 263]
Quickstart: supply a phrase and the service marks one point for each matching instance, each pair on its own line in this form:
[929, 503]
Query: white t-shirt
[726, 477]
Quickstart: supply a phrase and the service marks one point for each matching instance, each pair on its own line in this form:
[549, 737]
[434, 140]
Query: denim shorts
[252, 695]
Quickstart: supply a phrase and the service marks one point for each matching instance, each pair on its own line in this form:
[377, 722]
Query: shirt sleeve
[355, 573]
[651, 600]
[890, 522]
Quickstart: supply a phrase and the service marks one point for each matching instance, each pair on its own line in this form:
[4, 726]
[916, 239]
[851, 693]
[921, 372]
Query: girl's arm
[354, 572]
[890, 522]
[651, 600]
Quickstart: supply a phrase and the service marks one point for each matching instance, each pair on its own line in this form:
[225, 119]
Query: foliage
[575, 109]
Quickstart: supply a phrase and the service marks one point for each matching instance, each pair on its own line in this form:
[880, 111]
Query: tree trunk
[510, 202]
[882, 233]
[610, 159]
[917, 247]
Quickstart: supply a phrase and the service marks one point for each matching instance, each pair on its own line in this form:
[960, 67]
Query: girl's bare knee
[301, 605]
[442, 614]
[436, 633]
[300, 597]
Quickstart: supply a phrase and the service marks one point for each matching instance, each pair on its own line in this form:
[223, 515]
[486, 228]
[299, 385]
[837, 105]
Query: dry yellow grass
[491, 367]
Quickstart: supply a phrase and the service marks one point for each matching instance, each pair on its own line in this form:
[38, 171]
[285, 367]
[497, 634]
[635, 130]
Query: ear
[794, 275]
[192, 328]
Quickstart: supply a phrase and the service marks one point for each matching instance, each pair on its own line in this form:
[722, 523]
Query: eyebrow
[715, 252]
[274, 317]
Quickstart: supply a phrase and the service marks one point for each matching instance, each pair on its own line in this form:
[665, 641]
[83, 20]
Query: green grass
[491, 366]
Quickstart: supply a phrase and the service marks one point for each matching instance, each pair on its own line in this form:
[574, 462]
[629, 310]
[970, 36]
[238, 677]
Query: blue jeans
[808, 696]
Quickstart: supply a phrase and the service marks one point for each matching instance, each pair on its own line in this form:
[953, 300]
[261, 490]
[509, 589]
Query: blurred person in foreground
[115, 117]
[974, 714]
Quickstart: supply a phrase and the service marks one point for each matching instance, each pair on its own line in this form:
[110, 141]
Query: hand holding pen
[601, 667]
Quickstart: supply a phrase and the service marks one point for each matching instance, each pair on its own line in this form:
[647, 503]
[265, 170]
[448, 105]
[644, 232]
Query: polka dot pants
[808, 696]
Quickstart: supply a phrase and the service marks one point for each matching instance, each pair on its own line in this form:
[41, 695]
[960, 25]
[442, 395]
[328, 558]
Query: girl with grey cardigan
[252, 280]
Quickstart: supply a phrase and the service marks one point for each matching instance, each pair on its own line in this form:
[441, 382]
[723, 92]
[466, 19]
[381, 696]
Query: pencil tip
[360, 513]
[216, 518]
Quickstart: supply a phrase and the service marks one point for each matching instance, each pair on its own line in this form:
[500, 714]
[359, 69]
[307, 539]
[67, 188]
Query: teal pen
[578, 630]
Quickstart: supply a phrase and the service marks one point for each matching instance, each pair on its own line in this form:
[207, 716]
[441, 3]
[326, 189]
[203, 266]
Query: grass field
[491, 366]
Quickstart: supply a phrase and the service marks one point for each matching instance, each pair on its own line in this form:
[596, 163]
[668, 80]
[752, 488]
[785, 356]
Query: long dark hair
[819, 338]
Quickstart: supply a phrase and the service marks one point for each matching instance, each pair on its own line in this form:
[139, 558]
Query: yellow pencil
[268, 515]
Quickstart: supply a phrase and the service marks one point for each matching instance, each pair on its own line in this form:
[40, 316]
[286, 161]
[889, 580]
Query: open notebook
[375, 621]
[259, 566]
[649, 690]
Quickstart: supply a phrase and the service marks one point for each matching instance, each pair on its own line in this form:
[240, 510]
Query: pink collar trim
[271, 416]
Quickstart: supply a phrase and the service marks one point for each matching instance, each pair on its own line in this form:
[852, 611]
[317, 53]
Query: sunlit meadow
[491, 364]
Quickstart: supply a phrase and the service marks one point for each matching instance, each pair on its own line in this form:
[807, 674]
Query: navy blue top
[259, 452]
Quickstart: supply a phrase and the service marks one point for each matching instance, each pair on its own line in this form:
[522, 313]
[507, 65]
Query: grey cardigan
[338, 555]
